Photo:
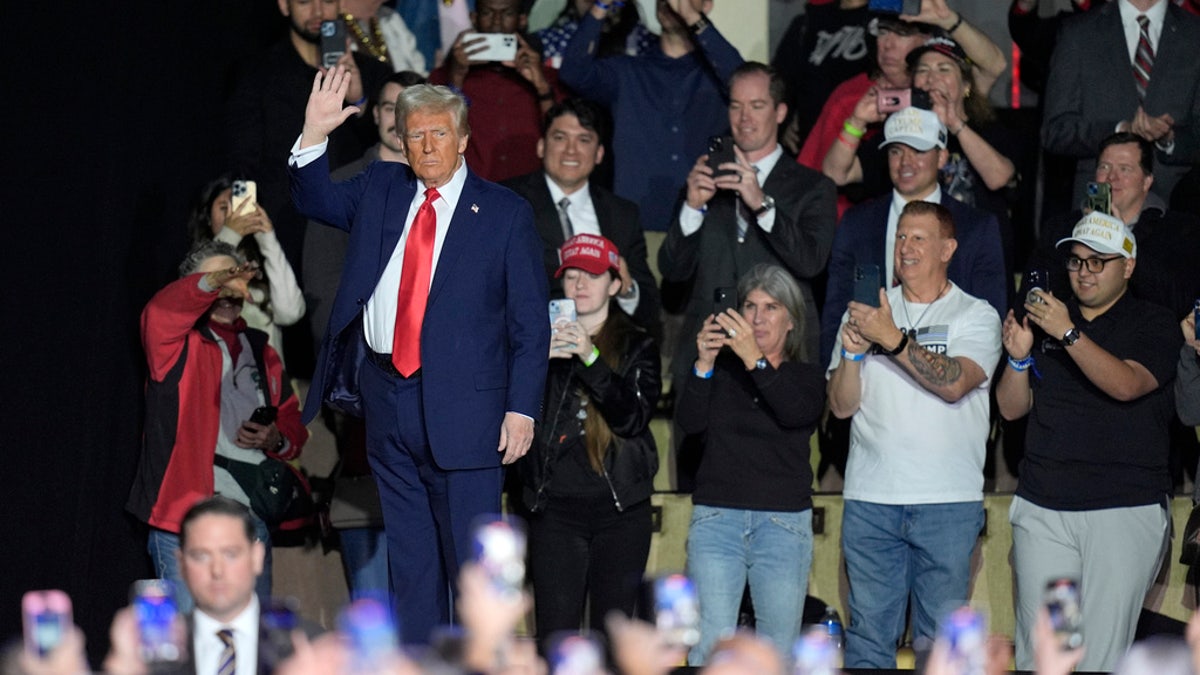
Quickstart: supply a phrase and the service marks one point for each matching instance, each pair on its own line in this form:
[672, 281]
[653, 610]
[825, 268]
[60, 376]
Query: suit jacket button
[358, 301]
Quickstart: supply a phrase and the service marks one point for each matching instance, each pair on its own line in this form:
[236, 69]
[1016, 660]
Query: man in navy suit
[571, 146]
[1096, 86]
[439, 332]
[915, 143]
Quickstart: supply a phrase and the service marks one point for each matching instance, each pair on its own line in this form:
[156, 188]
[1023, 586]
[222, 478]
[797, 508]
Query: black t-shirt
[1085, 450]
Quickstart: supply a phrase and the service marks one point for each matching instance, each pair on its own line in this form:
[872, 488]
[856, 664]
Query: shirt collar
[580, 197]
[244, 624]
[767, 164]
[1129, 13]
[898, 201]
[453, 188]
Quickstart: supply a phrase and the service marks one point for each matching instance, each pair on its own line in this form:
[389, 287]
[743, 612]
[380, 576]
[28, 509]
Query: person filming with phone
[209, 377]
[589, 475]
[912, 367]
[756, 402]
[1095, 381]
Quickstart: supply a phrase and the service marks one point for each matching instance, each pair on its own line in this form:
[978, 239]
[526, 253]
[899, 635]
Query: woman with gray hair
[757, 404]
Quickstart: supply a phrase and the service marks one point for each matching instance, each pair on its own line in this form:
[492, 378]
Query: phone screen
[1066, 616]
[160, 626]
[677, 610]
[47, 619]
[1099, 197]
[371, 629]
[500, 551]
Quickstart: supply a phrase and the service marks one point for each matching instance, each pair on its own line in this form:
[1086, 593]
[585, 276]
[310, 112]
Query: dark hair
[777, 87]
[404, 78]
[591, 116]
[205, 250]
[199, 230]
[1123, 137]
[781, 286]
[218, 505]
[945, 221]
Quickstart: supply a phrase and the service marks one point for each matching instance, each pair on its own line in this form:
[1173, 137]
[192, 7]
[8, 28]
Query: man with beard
[267, 105]
[208, 375]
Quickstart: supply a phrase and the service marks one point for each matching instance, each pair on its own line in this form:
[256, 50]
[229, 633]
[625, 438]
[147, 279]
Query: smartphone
[279, 617]
[572, 653]
[162, 634]
[1066, 616]
[910, 7]
[243, 192]
[720, 151]
[891, 100]
[562, 311]
[965, 633]
[333, 42]
[815, 653]
[724, 298]
[264, 414]
[677, 610]
[1099, 198]
[370, 626]
[499, 544]
[46, 616]
[1036, 280]
[494, 47]
[1196, 314]
[866, 284]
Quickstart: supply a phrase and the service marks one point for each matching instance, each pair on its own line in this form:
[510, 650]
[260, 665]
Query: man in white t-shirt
[913, 371]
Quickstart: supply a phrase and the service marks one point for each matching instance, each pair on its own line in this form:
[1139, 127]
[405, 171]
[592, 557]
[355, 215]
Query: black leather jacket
[626, 397]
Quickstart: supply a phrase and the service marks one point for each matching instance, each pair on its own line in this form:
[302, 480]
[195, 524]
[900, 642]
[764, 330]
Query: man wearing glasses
[1094, 374]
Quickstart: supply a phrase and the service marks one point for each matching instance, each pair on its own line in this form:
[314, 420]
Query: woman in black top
[590, 472]
[757, 406]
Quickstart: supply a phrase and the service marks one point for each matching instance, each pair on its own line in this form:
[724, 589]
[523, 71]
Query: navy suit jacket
[485, 334]
[1091, 88]
[977, 266]
[618, 220]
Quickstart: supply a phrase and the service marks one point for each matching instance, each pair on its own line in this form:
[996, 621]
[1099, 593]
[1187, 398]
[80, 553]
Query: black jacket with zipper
[626, 397]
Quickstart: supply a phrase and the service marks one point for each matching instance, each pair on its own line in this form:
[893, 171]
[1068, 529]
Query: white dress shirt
[582, 213]
[1133, 32]
[207, 647]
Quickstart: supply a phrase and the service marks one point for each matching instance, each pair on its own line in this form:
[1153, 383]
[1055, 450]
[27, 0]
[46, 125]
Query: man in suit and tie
[439, 331]
[1129, 65]
[765, 209]
[565, 203]
[915, 143]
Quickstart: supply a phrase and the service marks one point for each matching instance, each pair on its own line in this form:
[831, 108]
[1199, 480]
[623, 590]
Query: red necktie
[1143, 57]
[414, 287]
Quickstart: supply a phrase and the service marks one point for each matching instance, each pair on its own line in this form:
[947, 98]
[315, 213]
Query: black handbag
[278, 492]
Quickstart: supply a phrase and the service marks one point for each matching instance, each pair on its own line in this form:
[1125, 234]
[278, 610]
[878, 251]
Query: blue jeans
[365, 559]
[771, 549]
[894, 552]
[164, 547]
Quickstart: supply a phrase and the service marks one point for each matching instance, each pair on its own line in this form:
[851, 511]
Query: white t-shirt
[907, 445]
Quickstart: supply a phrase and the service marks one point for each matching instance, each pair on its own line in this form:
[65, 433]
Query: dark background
[112, 120]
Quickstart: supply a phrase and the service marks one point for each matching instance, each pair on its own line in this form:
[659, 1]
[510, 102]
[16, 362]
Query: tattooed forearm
[938, 370]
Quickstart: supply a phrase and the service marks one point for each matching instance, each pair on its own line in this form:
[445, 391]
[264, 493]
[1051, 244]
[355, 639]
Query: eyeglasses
[1094, 265]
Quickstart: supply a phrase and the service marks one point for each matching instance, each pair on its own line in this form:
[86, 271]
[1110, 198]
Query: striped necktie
[564, 218]
[227, 664]
[1143, 59]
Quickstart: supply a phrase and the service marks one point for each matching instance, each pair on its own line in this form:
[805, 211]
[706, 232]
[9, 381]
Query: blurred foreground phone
[243, 192]
[46, 616]
[1061, 600]
[495, 47]
[162, 635]
[1099, 197]
[333, 42]
[574, 654]
[677, 610]
[866, 284]
[890, 100]
[720, 151]
[815, 653]
[910, 7]
[500, 551]
[371, 628]
[965, 633]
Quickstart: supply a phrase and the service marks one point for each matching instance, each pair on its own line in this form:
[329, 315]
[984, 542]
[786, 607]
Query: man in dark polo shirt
[1094, 373]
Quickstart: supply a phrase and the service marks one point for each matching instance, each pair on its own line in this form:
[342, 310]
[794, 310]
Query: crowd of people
[823, 243]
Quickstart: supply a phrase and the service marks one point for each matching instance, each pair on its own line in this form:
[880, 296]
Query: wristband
[841, 138]
[360, 101]
[703, 376]
[853, 130]
[591, 358]
[1022, 365]
[900, 347]
[847, 356]
[951, 29]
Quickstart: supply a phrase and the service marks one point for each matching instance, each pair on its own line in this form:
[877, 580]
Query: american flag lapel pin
[474, 208]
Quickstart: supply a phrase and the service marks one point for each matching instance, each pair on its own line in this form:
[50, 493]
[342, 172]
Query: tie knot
[225, 635]
[1143, 21]
[564, 203]
[431, 194]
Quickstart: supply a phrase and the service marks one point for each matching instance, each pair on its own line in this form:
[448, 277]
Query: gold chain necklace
[374, 45]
